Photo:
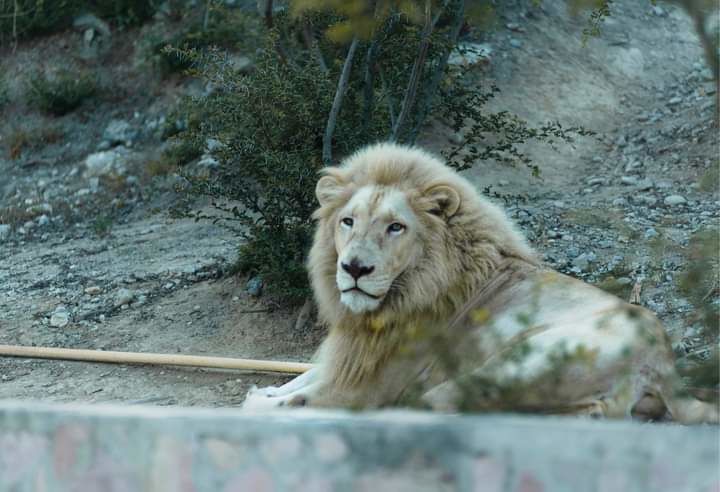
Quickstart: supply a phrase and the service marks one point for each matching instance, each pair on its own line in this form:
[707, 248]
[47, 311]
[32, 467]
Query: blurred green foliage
[61, 92]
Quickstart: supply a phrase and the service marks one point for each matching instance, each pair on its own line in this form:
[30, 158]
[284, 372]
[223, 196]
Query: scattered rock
[105, 162]
[207, 161]
[515, 43]
[254, 286]
[468, 54]
[123, 297]
[629, 180]
[89, 21]
[119, 132]
[4, 232]
[60, 317]
[93, 290]
[651, 233]
[658, 11]
[673, 200]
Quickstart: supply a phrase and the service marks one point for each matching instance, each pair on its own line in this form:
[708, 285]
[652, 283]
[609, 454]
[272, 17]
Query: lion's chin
[358, 303]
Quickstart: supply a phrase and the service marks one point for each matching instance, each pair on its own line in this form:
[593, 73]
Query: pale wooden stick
[140, 358]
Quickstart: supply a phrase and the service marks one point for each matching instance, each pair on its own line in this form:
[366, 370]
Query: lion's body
[448, 307]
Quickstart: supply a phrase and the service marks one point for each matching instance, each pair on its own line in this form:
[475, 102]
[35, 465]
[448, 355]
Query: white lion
[434, 299]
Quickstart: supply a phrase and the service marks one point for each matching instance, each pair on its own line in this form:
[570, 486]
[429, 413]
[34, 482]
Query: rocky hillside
[90, 256]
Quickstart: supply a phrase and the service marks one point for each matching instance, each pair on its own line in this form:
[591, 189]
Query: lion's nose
[357, 270]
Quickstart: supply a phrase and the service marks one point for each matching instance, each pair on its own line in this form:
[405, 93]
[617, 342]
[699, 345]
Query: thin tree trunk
[439, 71]
[411, 91]
[337, 102]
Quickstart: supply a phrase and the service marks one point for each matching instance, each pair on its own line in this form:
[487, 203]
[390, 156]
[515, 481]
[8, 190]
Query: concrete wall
[123, 448]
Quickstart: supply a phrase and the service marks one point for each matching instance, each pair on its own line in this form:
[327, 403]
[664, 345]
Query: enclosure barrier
[45, 447]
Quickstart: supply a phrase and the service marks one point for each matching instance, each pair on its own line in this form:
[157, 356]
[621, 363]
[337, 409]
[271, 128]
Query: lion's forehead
[372, 202]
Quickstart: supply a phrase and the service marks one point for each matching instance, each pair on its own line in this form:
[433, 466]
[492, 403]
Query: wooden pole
[166, 359]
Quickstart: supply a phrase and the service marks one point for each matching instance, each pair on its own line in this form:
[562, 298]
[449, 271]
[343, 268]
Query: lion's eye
[347, 221]
[395, 228]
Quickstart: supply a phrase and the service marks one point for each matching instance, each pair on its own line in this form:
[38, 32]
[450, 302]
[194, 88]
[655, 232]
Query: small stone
[648, 200]
[580, 263]
[209, 162]
[91, 21]
[515, 43]
[105, 162]
[119, 132]
[254, 286]
[651, 233]
[559, 204]
[673, 200]
[169, 286]
[645, 184]
[658, 11]
[43, 220]
[596, 181]
[675, 100]
[468, 54]
[629, 180]
[4, 232]
[124, 297]
[93, 290]
[503, 182]
[60, 317]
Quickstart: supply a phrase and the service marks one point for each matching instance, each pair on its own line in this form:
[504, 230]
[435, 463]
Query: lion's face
[379, 234]
[376, 238]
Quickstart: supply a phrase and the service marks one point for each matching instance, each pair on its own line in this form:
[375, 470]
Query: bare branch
[337, 102]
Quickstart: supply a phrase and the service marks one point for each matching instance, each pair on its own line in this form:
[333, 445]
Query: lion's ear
[444, 199]
[328, 189]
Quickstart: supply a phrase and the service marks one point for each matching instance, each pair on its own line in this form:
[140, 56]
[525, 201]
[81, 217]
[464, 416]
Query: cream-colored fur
[433, 298]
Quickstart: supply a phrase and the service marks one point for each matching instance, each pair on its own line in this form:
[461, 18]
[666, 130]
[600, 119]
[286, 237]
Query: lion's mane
[461, 252]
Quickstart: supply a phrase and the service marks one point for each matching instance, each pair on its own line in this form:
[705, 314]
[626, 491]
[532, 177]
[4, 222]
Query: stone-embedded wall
[124, 448]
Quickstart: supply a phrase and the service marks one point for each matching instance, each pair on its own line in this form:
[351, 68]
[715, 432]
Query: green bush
[61, 93]
[308, 102]
[214, 26]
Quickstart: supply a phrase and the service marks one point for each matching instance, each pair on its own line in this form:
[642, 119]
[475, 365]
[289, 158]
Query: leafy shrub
[179, 153]
[213, 25]
[308, 101]
[61, 93]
